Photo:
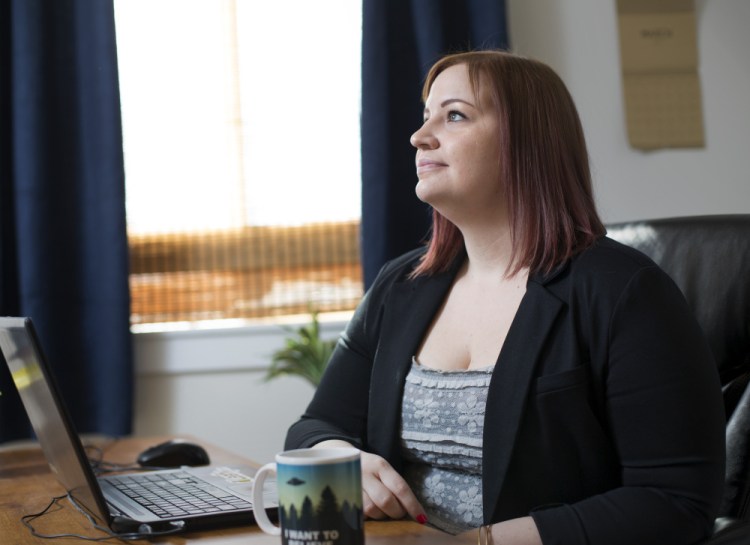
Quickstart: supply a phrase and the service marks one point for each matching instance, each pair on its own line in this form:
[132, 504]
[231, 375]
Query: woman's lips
[427, 165]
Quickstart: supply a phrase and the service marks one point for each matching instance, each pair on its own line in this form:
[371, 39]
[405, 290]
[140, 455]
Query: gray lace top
[442, 420]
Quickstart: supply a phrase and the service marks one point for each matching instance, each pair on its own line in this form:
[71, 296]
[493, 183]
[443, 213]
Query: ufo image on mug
[321, 504]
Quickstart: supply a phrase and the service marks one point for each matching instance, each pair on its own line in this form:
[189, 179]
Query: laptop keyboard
[177, 494]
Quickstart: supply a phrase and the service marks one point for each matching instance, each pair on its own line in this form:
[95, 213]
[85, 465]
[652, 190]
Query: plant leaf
[304, 354]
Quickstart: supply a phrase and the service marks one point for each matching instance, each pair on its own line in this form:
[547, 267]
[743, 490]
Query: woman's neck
[488, 249]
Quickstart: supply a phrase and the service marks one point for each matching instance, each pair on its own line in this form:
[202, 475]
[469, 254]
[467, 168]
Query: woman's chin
[426, 193]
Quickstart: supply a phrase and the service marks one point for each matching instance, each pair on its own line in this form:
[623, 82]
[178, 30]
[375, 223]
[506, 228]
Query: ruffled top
[442, 423]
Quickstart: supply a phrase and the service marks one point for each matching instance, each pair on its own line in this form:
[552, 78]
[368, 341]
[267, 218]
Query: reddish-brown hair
[544, 164]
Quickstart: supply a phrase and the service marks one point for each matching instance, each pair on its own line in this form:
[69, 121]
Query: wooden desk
[27, 485]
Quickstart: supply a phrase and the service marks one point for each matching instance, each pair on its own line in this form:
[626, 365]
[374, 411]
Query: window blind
[250, 272]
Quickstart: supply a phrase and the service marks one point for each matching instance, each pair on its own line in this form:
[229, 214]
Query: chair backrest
[708, 257]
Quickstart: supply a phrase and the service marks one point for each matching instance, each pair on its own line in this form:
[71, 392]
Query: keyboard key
[177, 494]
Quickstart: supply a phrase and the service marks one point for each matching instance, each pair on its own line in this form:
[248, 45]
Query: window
[242, 156]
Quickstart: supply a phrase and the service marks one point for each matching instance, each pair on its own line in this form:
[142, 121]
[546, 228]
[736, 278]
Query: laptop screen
[47, 414]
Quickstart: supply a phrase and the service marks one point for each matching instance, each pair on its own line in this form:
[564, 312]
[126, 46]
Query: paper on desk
[659, 59]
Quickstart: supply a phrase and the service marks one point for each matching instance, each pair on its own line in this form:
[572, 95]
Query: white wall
[208, 383]
[579, 39]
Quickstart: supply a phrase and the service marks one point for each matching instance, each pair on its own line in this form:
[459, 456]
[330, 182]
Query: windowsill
[221, 346]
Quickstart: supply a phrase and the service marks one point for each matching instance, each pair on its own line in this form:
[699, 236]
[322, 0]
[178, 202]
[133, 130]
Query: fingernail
[422, 519]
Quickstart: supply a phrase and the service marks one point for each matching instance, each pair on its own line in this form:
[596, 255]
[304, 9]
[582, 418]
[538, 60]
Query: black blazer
[604, 416]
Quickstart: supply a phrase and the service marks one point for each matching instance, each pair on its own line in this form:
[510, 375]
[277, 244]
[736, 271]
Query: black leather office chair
[709, 259]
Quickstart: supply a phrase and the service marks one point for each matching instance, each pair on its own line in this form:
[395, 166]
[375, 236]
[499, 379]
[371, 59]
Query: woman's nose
[423, 138]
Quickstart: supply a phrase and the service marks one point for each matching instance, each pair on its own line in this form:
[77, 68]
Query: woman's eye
[455, 116]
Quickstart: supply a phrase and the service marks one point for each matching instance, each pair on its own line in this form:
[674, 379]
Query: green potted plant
[304, 354]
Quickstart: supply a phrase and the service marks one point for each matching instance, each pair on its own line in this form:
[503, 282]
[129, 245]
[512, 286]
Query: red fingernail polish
[421, 519]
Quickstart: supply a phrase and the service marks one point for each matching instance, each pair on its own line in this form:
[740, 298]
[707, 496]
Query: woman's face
[458, 150]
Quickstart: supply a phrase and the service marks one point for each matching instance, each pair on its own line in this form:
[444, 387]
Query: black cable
[140, 531]
[54, 502]
[100, 466]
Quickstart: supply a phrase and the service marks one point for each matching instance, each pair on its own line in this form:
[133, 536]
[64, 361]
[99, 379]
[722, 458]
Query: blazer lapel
[409, 311]
[509, 387]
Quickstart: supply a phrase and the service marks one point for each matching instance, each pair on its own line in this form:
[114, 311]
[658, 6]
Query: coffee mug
[320, 497]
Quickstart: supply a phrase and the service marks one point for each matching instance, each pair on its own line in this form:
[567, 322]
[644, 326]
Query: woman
[523, 371]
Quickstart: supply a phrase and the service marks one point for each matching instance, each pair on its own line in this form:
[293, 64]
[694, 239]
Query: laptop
[208, 496]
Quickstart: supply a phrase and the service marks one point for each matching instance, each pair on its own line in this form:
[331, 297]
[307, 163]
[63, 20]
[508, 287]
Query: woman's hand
[386, 494]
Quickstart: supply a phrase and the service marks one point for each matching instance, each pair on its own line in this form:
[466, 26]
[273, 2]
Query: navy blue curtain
[401, 39]
[63, 244]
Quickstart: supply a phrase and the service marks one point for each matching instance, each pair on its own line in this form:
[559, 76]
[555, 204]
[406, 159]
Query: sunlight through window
[242, 156]
[239, 112]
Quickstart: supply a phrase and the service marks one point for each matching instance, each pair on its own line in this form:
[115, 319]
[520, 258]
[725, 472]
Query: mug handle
[259, 510]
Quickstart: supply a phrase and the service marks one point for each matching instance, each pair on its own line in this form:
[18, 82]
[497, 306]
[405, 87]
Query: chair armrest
[729, 531]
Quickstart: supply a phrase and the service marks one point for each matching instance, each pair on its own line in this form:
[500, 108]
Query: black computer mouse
[174, 453]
